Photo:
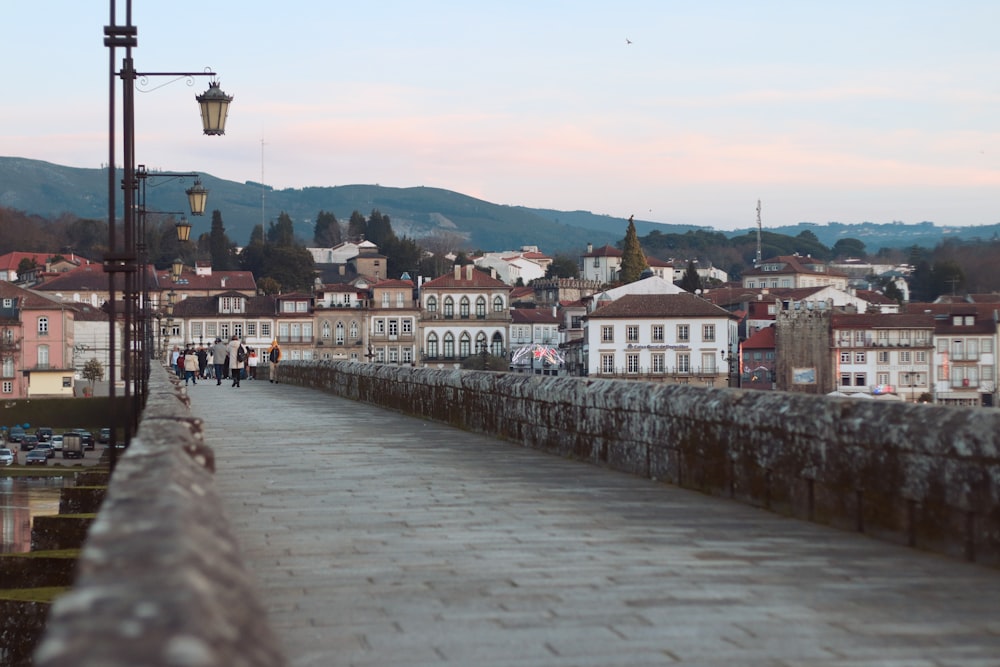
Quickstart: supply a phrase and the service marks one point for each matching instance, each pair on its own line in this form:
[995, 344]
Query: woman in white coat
[237, 360]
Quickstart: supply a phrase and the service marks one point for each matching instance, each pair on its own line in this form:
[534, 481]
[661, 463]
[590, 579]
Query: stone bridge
[488, 519]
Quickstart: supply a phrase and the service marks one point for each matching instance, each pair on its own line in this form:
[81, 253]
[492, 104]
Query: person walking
[219, 359]
[202, 361]
[252, 362]
[273, 358]
[190, 367]
[237, 359]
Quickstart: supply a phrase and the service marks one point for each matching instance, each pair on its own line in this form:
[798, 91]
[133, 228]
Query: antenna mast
[263, 229]
[759, 260]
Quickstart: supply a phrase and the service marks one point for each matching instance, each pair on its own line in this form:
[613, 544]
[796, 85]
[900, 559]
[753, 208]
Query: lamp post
[121, 257]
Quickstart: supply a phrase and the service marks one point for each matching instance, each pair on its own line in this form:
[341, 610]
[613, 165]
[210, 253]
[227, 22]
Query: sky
[674, 112]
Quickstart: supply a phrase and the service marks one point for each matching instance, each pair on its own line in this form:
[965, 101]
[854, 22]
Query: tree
[269, 286]
[25, 265]
[326, 233]
[356, 227]
[691, 281]
[633, 259]
[849, 248]
[563, 266]
[219, 246]
[93, 371]
[282, 233]
[379, 229]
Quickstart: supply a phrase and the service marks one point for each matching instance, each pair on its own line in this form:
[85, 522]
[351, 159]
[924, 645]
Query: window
[43, 326]
[683, 362]
[288, 306]
[8, 387]
[845, 379]
[385, 299]
[7, 368]
[860, 380]
[224, 332]
[432, 346]
[238, 329]
[904, 357]
[400, 299]
[339, 340]
[463, 308]
[43, 356]
[708, 332]
[67, 381]
[407, 355]
[265, 329]
[845, 357]
[859, 357]
[607, 334]
[683, 332]
[708, 362]
[407, 326]
[607, 364]
[632, 363]
[326, 331]
[921, 357]
[449, 307]
[252, 329]
[432, 304]
[657, 333]
[882, 378]
[380, 326]
[465, 345]
[393, 328]
[656, 362]
[307, 331]
[354, 330]
[449, 346]
[883, 358]
[632, 333]
[196, 330]
[498, 304]
[481, 307]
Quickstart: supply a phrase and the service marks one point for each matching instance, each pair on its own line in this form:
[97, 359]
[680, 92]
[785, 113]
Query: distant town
[845, 329]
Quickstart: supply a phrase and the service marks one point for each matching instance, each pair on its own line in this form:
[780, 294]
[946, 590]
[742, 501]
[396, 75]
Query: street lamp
[197, 198]
[176, 269]
[121, 257]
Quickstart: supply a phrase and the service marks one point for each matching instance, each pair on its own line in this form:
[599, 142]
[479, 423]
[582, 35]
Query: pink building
[36, 344]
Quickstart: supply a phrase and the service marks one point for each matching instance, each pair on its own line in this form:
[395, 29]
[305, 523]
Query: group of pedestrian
[223, 361]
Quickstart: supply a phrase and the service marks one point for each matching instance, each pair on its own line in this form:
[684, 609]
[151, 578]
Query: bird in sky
[628, 41]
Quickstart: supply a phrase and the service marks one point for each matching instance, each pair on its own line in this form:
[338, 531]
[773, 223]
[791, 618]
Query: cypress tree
[633, 259]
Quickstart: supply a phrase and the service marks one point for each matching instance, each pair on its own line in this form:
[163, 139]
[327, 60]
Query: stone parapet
[160, 581]
[921, 475]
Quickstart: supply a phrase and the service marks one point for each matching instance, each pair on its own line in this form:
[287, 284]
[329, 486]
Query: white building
[678, 338]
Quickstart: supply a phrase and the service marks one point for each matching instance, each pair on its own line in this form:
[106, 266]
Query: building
[198, 320]
[340, 313]
[794, 271]
[535, 341]
[461, 314]
[36, 344]
[679, 338]
[393, 323]
[601, 265]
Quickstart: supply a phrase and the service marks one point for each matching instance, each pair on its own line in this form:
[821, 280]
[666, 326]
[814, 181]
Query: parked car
[36, 457]
[7, 457]
[57, 442]
[86, 436]
[104, 437]
[44, 433]
[29, 442]
[16, 436]
[47, 448]
[72, 445]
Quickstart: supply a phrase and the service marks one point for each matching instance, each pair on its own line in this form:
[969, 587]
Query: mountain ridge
[49, 190]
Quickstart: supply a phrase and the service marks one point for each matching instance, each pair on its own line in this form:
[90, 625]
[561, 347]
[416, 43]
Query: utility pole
[758, 261]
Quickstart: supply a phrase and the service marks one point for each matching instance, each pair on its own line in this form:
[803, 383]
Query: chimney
[590, 248]
[458, 272]
[469, 268]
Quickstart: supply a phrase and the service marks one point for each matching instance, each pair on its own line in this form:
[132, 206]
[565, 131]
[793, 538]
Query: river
[22, 499]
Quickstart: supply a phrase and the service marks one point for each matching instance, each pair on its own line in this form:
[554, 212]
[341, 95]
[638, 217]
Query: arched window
[480, 342]
[449, 346]
[481, 307]
[432, 346]
[449, 307]
[340, 334]
[463, 308]
[465, 345]
[496, 347]
[432, 304]
[326, 333]
[498, 304]
[354, 330]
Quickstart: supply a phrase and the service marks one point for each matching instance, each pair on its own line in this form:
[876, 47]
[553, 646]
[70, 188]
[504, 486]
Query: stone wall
[160, 581]
[920, 475]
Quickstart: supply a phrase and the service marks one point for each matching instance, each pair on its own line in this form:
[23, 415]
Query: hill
[49, 190]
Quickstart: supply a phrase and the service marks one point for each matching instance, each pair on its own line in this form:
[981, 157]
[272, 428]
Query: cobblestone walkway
[381, 540]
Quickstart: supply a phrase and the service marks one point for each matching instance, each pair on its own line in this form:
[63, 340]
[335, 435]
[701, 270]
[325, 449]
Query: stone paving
[381, 540]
